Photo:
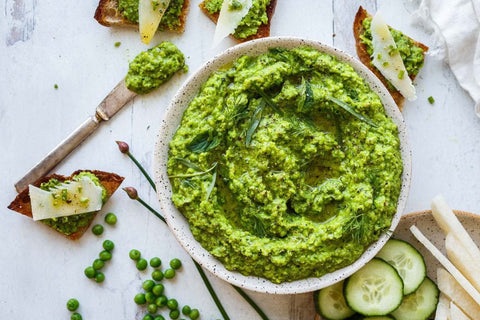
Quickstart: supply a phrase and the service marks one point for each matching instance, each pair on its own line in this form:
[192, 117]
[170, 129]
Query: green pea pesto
[70, 224]
[411, 54]
[153, 67]
[274, 178]
[256, 16]
[170, 20]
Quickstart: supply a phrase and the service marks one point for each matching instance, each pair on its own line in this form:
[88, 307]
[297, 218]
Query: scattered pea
[174, 314]
[172, 304]
[142, 264]
[186, 310]
[97, 229]
[169, 273]
[431, 100]
[108, 245]
[159, 317]
[55, 86]
[72, 304]
[111, 218]
[89, 272]
[105, 255]
[155, 262]
[152, 308]
[175, 264]
[76, 316]
[148, 285]
[140, 298]
[134, 254]
[158, 289]
[161, 301]
[147, 317]
[99, 277]
[194, 314]
[98, 264]
[150, 297]
[117, 44]
[157, 275]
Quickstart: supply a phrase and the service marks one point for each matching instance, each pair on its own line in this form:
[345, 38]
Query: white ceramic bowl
[179, 225]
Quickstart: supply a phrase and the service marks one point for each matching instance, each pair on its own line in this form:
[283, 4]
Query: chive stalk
[124, 148]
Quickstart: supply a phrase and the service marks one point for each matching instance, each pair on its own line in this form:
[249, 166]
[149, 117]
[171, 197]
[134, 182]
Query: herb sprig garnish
[254, 122]
[308, 102]
[203, 142]
[212, 183]
[198, 169]
[268, 100]
[350, 110]
[357, 227]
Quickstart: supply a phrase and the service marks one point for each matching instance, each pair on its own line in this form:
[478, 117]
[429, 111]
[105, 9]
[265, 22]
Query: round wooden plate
[425, 222]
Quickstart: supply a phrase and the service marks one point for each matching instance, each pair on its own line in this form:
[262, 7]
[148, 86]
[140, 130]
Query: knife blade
[110, 105]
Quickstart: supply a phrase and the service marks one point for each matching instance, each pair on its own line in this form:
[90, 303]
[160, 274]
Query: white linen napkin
[457, 23]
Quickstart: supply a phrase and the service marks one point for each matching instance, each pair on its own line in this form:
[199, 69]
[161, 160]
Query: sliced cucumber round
[419, 305]
[407, 261]
[374, 290]
[330, 303]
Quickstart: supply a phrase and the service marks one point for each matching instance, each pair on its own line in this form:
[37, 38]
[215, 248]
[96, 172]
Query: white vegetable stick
[450, 288]
[457, 253]
[448, 221]
[456, 313]
[443, 306]
[447, 264]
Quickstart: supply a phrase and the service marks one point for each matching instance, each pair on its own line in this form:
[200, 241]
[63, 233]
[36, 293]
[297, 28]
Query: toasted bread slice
[110, 181]
[108, 14]
[263, 30]
[365, 58]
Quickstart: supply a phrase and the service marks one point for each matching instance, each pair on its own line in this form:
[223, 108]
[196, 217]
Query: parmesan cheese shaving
[231, 14]
[387, 59]
[150, 13]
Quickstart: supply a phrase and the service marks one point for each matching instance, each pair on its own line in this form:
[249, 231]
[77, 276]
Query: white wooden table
[44, 43]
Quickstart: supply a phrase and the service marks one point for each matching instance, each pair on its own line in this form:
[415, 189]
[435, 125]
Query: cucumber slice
[419, 305]
[374, 290]
[330, 303]
[407, 261]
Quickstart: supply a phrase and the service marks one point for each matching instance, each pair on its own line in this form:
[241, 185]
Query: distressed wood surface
[43, 43]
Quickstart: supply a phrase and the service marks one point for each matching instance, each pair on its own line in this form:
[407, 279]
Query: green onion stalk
[133, 194]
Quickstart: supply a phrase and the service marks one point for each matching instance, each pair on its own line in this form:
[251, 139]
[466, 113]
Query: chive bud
[123, 146]
[132, 192]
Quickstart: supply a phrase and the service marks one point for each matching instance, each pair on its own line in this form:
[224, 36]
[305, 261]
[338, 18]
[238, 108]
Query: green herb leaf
[189, 164]
[203, 142]
[258, 227]
[268, 100]
[212, 184]
[308, 101]
[254, 122]
[350, 110]
[357, 227]
[194, 174]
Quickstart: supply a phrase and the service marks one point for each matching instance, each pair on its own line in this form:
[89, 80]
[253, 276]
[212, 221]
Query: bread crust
[365, 58]
[22, 203]
[262, 32]
[108, 15]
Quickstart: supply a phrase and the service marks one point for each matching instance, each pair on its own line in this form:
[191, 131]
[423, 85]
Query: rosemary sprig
[350, 110]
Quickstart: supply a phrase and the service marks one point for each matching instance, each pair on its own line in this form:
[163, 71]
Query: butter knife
[111, 104]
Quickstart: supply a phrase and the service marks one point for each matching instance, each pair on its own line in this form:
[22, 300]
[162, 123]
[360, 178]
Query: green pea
[158, 289]
[89, 272]
[111, 219]
[155, 262]
[159, 317]
[175, 264]
[142, 264]
[99, 277]
[72, 304]
[148, 285]
[152, 308]
[140, 298]
[194, 314]
[108, 245]
[174, 314]
[105, 255]
[161, 301]
[147, 317]
[134, 254]
[98, 264]
[150, 297]
[172, 304]
[157, 275]
[97, 229]
[76, 316]
[186, 310]
[169, 273]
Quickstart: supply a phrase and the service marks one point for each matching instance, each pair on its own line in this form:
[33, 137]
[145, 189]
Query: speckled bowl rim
[179, 225]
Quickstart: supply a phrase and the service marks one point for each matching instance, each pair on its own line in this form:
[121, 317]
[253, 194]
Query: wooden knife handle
[59, 153]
